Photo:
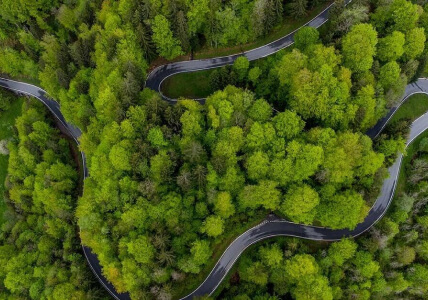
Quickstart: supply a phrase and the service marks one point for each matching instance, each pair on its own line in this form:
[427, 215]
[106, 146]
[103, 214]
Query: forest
[40, 249]
[171, 185]
[389, 261]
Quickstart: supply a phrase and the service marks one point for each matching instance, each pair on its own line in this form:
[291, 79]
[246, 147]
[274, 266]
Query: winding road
[272, 226]
[159, 74]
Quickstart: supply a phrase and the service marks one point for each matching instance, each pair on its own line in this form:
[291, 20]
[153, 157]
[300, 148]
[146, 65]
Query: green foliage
[271, 256]
[300, 203]
[171, 183]
[223, 205]
[17, 63]
[156, 137]
[288, 124]
[254, 74]
[257, 165]
[298, 8]
[345, 209]
[306, 37]
[391, 47]
[389, 74]
[141, 249]
[415, 43]
[289, 65]
[359, 47]
[264, 194]
[301, 266]
[388, 261]
[203, 170]
[397, 15]
[213, 226]
[240, 65]
[40, 253]
[167, 45]
[342, 251]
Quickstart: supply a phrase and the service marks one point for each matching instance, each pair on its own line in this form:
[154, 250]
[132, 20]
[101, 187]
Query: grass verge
[7, 121]
[413, 108]
[410, 153]
[188, 85]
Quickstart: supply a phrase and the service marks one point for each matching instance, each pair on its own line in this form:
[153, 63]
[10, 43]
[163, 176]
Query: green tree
[260, 111]
[183, 30]
[342, 210]
[366, 115]
[259, 17]
[365, 264]
[422, 250]
[201, 251]
[389, 74]
[398, 15]
[223, 205]
[263, 194]
[257, 165]
[299, 204]
[306, 37]
[213, 226]
[156, 138]
[391, 47]
[415, 43]
[197, 15]
[406, 255]
[359, 47]
[288, 124]
[298, 8]
[342, 251]
[141, 249]
[271, 255]
[305, 159]
[301, 266]
[120, 156]
[289, 65]
[256, 273]
[240, 65]
[418, 276]
[322, 95]
[17, 63]
[254, 74]
[314, 287]
[167, 45]
[160, 166]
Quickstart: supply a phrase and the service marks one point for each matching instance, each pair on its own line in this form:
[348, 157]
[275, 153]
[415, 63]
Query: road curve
[159, 74]
[272, 226]
[74, 133]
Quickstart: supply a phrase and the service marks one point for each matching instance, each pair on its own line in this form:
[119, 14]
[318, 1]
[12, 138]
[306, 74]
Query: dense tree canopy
[40, 250]
[169, 186]
[219, 162]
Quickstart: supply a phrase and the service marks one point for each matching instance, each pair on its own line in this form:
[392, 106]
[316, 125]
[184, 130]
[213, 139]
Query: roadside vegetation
[40, 251]
[290, 22]
[169, 186]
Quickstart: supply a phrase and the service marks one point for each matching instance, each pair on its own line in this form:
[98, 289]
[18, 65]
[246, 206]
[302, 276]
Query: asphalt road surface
[272, 226]
[158, 75]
